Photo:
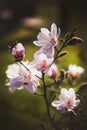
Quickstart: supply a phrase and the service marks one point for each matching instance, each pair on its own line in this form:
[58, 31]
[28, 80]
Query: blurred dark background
[20, 20]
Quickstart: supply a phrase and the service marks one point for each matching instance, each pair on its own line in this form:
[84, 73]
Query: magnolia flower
[52, 71]
[41, 62]
[48, 38]
[23, 77]
[18, 51]
[75, 71]
[67, 100]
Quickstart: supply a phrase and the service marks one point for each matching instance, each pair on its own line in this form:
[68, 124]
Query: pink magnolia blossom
[48, 38]
[75, 71]
[67, 100]
[41, 62]
[18, 51]
[22, 77]
[52, 71]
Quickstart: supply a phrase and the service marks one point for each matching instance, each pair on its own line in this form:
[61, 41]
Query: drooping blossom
[41, 62]
[75, 71]
[67, 100]
[48, 38]
[52, 71]
[18, 52]
[20, 77]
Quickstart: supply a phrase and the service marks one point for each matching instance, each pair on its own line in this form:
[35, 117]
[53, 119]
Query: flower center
[44, 64]
[69, 103]
[53, 41]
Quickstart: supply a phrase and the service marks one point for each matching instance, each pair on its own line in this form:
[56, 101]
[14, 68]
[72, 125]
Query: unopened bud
[75, 40]
[63, 74]
[67, 35]
[18, 52]
[62, 54]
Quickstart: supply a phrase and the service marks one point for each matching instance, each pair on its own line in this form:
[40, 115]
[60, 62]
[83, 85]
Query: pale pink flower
[75, 71]
[67, 100]
[22, 77]
[41, 62]
[48, 38]
[18, 51]
[52, 71]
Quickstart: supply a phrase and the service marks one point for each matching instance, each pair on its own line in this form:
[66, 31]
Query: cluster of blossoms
[28, 74]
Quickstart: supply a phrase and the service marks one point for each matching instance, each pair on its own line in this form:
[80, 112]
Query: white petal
[51, 69]
[54, 30]
[61, 108]
[63, 95]
[45, 31]
[20, 47]
[77, 102]
[16, 82]
[31, 88]
[43, 37]
[55, 103]
[59, 32]
[12, 71]
[40, 43]
[37, 43]
[64, 91]
[72, 93]
[49, 51]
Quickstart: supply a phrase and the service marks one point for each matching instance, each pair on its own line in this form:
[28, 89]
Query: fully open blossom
[18, 51]
[67, 100]
[41, 62]
[48, 38]
[52, 71]
[20, 77]
[75, 71]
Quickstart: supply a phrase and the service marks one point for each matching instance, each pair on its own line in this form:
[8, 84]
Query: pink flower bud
[18, 52]
[52, 71]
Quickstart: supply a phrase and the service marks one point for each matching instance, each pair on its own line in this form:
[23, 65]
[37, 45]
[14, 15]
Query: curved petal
[72, 93]
[55, 103]
[54, 30]
[45, 31]
[64, 91]
[61, 108]
[77, 102]
[39, 43]
[59, 32]
[43, 37]
[31, 88]
[16, 82]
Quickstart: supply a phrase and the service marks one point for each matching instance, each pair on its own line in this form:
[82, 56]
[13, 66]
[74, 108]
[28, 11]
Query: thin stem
[46, 101]
[43, 127]
[24, 66]
[64, 44]
[49, 85]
